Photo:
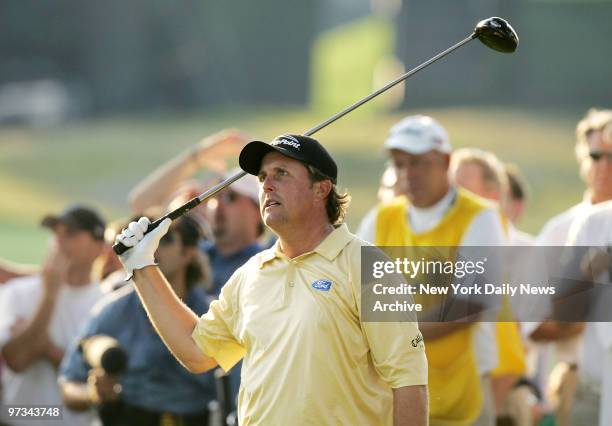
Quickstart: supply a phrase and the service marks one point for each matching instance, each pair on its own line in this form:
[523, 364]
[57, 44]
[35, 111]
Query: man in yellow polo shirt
[293, 312]
[433, 212]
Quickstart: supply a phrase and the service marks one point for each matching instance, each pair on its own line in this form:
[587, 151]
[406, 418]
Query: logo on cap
[287, 140]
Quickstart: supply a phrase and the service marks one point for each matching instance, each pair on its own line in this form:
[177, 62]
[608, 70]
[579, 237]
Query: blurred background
[95, 95]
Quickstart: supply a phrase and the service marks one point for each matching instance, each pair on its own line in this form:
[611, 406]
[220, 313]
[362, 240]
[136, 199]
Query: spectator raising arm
[158, 188]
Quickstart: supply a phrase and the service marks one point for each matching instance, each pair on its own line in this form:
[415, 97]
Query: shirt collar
[329, 248]
[440, 207]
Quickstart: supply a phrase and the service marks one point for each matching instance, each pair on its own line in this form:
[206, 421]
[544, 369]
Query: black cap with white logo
[298, 147]
[78, 218]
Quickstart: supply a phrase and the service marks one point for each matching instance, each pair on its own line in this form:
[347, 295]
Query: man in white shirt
[41, 314]
[593, 150]
[594, 391]
[593, 147]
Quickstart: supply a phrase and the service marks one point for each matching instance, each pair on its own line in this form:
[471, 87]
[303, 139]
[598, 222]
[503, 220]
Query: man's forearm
[156, 189]
[75, 395]
[30, 343]
[410, 406]
[172, 319]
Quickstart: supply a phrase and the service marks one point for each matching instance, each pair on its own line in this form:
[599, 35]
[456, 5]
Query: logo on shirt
[322, 285]
[418, 339]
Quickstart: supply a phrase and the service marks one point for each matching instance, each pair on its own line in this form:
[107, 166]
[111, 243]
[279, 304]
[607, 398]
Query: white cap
[247, 185]
[418, 134]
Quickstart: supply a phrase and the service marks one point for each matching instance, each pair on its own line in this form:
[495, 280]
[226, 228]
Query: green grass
[98, 162]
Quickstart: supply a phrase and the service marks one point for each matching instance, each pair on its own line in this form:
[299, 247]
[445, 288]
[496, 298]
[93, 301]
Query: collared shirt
[307, 354]
[154, 379]
[224, 266]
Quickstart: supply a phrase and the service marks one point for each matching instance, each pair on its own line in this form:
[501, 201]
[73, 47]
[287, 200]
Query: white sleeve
[485, 230]
[367, 227]
[578, 232]
[7, 313]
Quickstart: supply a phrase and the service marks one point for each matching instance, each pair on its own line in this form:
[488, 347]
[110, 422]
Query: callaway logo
[287, 140]
[418, 339]
[322, 285]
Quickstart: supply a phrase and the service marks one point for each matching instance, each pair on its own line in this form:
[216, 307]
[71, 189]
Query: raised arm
[210, 153]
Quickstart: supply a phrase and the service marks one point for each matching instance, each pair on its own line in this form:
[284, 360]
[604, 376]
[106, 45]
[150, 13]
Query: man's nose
[267, 184]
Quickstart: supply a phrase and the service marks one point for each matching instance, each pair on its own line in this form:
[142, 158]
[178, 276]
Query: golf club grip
[119, 248]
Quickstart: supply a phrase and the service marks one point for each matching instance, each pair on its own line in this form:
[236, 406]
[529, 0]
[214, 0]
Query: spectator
[593, 150]
[436, 213]
[40, 315]
[155, 388]
[594, 389]
[482, 173]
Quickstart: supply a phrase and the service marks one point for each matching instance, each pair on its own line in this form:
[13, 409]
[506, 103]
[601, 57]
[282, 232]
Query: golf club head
[497, 34]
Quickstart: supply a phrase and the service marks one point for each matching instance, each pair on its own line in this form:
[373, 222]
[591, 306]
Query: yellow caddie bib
[510, 349]
[455, 394]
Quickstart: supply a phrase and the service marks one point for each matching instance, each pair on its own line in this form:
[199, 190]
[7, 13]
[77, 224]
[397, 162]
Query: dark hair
[337, 203]
[191, 234]
[516, 181]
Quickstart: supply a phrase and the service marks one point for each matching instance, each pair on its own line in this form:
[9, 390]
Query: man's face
[286, 194]
[422, 178]
[79, 247]
[599, 176]
[232, 214]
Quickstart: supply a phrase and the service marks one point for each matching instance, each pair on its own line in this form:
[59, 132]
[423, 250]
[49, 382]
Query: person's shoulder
[468, 199]
[600, 212]
[521, 238]
[593, 227]
[27, 285]
[114, 301]
[252, 263]
[563, 218]
[198, 300]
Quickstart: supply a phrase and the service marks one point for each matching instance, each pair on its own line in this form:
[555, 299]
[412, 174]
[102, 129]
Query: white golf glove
[142, 247]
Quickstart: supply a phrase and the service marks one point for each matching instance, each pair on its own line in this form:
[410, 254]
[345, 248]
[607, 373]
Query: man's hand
[213, 151]
[54, 271]
[595, 262]
[142, 247]
[101, 387]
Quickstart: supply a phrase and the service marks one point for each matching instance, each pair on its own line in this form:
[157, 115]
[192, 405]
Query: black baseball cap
[298, 147]
[78, 218]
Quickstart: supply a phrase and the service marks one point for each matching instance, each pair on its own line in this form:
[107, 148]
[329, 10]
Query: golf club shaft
[388, 86]
[120, 248]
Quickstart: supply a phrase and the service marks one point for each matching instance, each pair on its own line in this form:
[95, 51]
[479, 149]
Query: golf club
[495, 33]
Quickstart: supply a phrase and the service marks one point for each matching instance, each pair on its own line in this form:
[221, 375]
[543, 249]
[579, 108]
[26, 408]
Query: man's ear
[323, 188]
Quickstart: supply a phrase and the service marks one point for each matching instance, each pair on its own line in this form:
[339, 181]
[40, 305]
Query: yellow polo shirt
[308, 358]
